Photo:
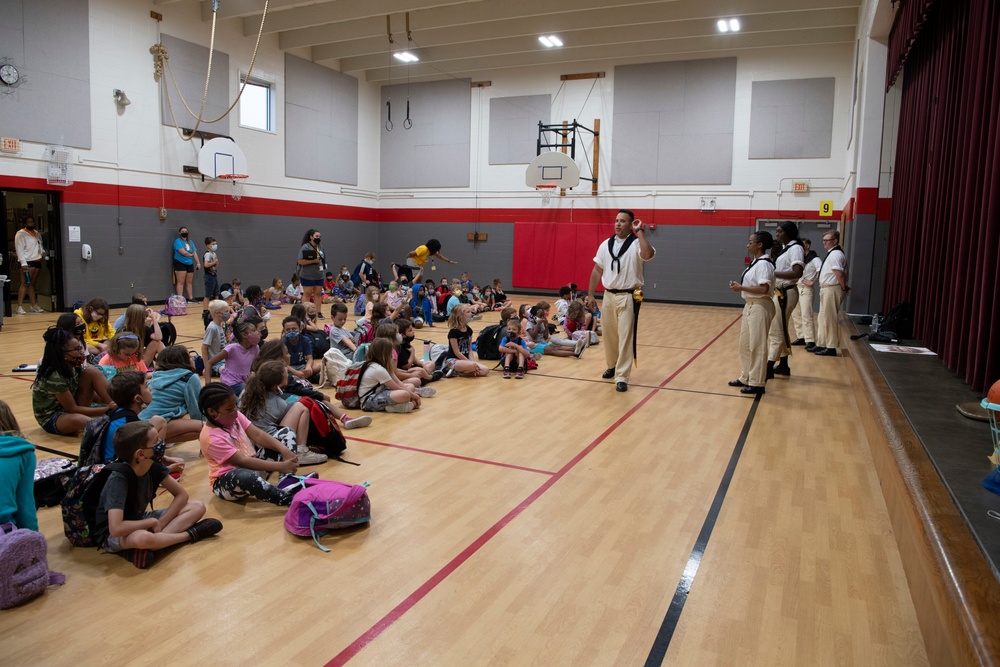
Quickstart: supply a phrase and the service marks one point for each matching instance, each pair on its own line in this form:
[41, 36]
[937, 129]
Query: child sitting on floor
[458, 358]
[238, 356]
[513, 348]
[233, 459]
[175, 387]
[17, 473]
[293, 293]
[378, 390]
[122, 523]
[124, 353]
[130, 393]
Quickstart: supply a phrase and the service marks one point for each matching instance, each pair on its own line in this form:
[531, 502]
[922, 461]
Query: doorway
[43, 207]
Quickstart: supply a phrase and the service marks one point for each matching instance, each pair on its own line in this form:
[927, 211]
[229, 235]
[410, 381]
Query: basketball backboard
[552, 168]
[221, 156]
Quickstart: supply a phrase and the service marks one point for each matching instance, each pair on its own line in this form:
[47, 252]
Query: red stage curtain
[910, 19]
[944, 236]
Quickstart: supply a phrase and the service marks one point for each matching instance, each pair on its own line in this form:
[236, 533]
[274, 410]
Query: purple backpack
[325, 505]
[24, 568]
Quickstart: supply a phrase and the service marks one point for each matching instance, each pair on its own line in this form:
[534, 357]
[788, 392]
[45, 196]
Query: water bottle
[27, 277]
[876, 324]
[427, 350]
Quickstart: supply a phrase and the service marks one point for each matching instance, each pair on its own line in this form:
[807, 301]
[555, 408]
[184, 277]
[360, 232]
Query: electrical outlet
[132, 285]
[654, 285]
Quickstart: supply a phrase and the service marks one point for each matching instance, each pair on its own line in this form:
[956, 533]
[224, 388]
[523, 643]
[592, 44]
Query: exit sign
[800, 186]
[9, 145]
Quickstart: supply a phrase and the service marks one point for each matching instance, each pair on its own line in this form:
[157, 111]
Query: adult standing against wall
[619, 265]
[312, 266]
[185, 262]
[755, 286]
[802, 317]
[417, 260]
[832, 289]
[788, 267]
[30, 253]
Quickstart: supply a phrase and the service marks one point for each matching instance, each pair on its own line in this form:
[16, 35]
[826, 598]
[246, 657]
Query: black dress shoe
[736, 383]
[608, 374]
[827, 352]
[818, 350]
[621, 386]
[782, 370]
[759, 391]
[799, 341]
[810, 347]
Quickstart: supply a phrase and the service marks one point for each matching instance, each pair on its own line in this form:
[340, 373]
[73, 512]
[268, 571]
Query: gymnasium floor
[547, 521]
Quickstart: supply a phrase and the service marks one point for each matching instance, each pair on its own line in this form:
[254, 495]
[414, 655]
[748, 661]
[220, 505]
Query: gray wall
[792, 118]
[514, 127]
[695, 263]
[255, 248]
[863, 276]
[49, 44]
[189, 63]
[484, 261]
[673, 123]
[435, 152]
[321, 123]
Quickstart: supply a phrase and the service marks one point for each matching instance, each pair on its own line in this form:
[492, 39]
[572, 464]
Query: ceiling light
[734, 25]
[723, 25]
[555, 40]
[406, 57]
[549, 41]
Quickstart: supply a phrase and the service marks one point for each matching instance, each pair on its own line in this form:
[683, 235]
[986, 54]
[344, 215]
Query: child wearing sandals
[379, 391]
[122, 523]
[513, 348]
[235, 464]
[457, 359]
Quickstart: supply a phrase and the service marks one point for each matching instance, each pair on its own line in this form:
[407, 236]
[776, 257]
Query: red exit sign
[800, 186]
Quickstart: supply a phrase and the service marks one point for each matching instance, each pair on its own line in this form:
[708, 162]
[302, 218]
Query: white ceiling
[471, 38]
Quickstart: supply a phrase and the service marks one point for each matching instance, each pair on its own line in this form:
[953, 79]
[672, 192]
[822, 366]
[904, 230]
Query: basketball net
[238, 180]
[547, 192]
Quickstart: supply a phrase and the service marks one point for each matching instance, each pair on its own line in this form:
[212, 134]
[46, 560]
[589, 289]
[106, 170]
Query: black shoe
[437, 375]
[818, 350]
[736, 383]
[770, 371]
[757, 391]
[827, 352]
[141, 558]
[799, 341]
[608, 374]
[204, 528]
[811, 347]
[621, 386]
[782, 370]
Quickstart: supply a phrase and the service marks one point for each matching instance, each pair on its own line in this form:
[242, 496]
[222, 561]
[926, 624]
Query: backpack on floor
[169, 333]
[347, 387]
[899, 321]
[334, 366]
[363, 333]
[176, 305]
[325, 505]
[324, 430]
[488, 342]
[79, 507]
[52, 477]
[24, 566]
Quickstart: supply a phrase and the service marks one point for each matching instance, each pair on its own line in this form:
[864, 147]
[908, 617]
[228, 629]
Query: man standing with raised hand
[619, 266]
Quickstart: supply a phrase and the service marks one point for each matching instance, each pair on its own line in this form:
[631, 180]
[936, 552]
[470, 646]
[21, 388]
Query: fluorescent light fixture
[555, 40]
[549, 41]
[728, 25]
[734, 25]
[406, 57]
[723, 25]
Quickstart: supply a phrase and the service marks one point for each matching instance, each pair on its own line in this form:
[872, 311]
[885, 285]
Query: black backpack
[899, 321]
[488, 342]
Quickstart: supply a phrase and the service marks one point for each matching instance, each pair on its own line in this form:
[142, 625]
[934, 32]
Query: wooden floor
[548, 521]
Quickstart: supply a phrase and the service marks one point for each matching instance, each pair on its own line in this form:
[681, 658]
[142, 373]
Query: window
[257, 105]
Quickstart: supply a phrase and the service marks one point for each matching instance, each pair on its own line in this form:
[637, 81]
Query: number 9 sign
[826, 208]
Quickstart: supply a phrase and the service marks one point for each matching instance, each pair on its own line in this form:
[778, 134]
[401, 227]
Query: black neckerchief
[836, 247]
[616, 259]
[790, 244]
[811, 256]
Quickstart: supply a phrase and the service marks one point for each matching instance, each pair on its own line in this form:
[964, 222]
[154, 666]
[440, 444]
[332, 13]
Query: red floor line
[397, 612]
[453, 456]
[18, 377]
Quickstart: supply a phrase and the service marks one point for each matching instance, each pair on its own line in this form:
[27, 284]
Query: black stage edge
[958, 446]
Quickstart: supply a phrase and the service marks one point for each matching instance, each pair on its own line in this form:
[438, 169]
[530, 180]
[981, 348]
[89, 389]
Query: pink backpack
[324, 505]
[176, 305]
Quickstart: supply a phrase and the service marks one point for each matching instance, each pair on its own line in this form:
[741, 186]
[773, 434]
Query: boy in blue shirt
[512, 346]
[300, 350]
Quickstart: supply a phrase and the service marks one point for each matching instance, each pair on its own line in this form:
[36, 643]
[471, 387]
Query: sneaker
[401, 408]
[319, 315]
[425, 392]
[450, 372]
[537, 356]
[506, 373]
[20, 311]
[436, 375]
[581, 345]
[357, 422]
[309, 458]
[141, 558]
[36, 309]
[519, 375]
[477, 316]
[204, 528]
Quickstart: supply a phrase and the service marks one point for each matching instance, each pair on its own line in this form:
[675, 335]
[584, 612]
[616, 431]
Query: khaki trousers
[828, 331]
[757, 316]
[617, 316]
[777, 331]
[802, 316]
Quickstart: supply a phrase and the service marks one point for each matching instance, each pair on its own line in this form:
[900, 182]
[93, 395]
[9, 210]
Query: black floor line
[669, 625]
[641, 386]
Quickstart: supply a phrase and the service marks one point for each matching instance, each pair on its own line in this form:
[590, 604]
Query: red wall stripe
[867, 201]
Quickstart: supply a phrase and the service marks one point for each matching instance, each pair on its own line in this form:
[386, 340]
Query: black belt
[621, 291]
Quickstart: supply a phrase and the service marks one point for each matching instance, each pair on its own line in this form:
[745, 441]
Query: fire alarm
[163, 213]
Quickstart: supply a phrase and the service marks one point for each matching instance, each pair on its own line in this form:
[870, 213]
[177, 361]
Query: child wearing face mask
[237, 451]
[124, 353]
[211, 264]
[300, 350]
[238, 356]
[122, 523]
[130, 392]
[94, 314]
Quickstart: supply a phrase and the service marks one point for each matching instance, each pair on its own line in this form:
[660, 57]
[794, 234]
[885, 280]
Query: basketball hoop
[547, 192]
[238, 187]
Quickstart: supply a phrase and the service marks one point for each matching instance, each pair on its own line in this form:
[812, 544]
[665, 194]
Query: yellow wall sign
[826, 208]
